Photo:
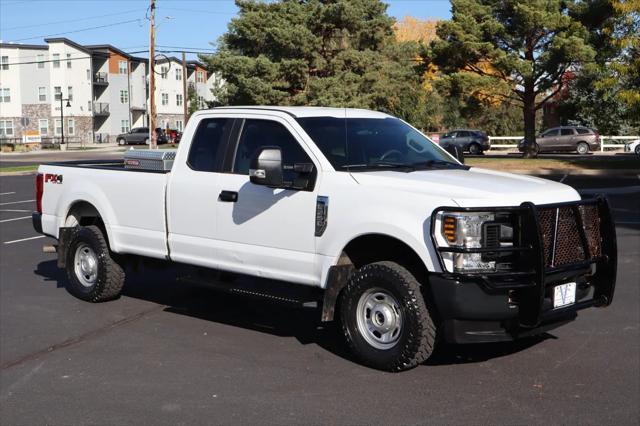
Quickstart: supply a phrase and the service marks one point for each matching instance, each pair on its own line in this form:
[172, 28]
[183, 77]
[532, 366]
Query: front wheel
[121, 141]
[93, 275]
[475, 149]
[384, 318]
[582, 148]
[637, 150]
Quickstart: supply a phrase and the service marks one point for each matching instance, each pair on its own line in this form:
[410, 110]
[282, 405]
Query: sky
[181, 24]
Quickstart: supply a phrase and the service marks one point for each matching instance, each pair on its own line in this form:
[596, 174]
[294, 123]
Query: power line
[182, 47]
[80, 30]
[69, 20]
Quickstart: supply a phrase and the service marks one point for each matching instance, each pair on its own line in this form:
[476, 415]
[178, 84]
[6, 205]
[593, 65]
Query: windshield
[370, 143]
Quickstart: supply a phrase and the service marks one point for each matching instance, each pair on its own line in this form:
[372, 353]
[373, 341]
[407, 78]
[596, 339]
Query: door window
[550, 133]
[463, 134]
[207, 144]
[567, 132]
[259, 133]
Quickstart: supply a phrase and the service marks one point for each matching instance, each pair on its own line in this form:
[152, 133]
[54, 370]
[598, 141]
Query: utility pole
[185, 111]
[153, 137]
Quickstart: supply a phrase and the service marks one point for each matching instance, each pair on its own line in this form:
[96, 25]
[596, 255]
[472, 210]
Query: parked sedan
[140, 135]
[566, 138]
[473, 141]
[633, 146]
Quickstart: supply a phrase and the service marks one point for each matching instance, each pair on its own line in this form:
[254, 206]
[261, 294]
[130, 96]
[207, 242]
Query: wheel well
[377, 247]
[87, 214]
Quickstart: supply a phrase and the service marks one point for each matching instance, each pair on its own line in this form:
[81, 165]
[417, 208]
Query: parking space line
[15, 218]
[6, 193]
[564, 177]
[15, 211]
[17, 202]
[24, 239]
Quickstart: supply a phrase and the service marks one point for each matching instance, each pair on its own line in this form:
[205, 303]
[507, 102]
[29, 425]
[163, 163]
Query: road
[171, 353]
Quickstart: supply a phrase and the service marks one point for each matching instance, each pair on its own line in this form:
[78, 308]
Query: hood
[472, 188]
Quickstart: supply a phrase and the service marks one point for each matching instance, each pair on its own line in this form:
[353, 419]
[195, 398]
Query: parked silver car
[566, 138]
[473, 141]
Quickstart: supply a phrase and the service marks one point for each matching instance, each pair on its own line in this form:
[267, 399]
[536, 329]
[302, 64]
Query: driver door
[265, 231]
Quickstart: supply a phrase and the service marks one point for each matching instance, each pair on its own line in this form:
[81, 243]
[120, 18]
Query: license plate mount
[564, 295]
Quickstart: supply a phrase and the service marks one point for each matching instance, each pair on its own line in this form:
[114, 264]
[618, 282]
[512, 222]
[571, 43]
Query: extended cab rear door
[266, 231]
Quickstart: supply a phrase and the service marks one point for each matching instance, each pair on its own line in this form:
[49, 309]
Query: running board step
[260, 288]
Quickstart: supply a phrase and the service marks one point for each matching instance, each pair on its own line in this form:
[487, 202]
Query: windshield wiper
[436, 163]
[380, 165]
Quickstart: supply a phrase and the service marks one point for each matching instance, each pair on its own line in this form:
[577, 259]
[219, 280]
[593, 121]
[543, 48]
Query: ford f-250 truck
[389, 233]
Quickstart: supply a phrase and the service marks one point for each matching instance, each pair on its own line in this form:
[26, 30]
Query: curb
[23, 173]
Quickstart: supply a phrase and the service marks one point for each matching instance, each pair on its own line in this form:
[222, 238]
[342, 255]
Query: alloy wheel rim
[85, 265]
[379, 318]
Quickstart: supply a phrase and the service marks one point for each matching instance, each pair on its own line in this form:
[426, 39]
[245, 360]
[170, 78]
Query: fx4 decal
[52, 178]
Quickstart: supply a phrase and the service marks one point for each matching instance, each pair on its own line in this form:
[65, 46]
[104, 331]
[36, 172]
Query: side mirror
[456, 151]
[266, 167]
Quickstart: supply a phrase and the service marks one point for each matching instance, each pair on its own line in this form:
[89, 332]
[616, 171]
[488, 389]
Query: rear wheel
[121, 141]
[637, 150]
[384, 318]
[582, 148]
[475, 149]
[146, 141]
[93, 275]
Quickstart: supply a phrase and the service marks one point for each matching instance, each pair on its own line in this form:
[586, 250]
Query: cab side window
[208, 142]
[259, 133]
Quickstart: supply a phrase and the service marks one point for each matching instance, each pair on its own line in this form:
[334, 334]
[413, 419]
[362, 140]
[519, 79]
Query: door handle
[228, 196]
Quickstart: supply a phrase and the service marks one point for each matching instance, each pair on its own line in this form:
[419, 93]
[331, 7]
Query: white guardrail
[497, 144]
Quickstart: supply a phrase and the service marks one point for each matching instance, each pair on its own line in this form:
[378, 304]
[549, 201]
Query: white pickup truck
[354, 210]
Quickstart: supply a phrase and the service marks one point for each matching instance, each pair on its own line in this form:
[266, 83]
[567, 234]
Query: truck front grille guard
[556, 242]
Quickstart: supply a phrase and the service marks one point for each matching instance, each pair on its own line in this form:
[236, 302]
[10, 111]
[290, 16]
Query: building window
[56, 60]
[40, 58]
[57, 93]
[179, 125]
[68, 60]
[6, 128]
[122, 67]
[58, 129]
[201, 102]
[71, 126]
[89, 75]
[43, 125]
[165, 99]
[88, 105]
[200, 77]
[42, 94]
[70, 93]
[179, 100]
[5, 95]
[4, 61]
[124, 96]
[124, 126]
[178, 73]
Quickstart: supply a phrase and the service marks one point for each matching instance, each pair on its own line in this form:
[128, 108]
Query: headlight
[473, 230]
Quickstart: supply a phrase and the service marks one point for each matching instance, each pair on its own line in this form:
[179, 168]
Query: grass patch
[29, 168]
[613, 162]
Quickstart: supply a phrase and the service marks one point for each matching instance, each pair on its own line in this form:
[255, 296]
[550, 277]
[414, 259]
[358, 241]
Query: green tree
[310, 52]
[525, 44]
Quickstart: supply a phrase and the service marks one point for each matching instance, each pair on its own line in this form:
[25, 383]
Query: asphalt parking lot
[172, 353]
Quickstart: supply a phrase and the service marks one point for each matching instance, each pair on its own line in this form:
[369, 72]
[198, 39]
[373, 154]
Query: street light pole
[62, 117]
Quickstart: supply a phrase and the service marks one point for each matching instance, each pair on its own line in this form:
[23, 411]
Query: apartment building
[169, 95]
[104, 91]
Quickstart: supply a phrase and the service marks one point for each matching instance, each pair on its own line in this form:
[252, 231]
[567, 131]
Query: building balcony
[100, 109]
[138, 108]
[101, 78]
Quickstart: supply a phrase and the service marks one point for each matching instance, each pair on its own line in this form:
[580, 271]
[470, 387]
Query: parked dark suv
[473, 141]
[140, 135]
[566, 138]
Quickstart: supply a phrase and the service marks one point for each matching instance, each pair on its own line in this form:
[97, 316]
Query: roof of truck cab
[312, 111]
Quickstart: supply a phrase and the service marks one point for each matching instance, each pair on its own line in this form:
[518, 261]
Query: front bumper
[502, 306]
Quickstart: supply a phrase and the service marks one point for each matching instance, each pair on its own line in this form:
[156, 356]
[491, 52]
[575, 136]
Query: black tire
[475, 149]
[109, 276]
[637, 150]
[582, 148]
[417, 335]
